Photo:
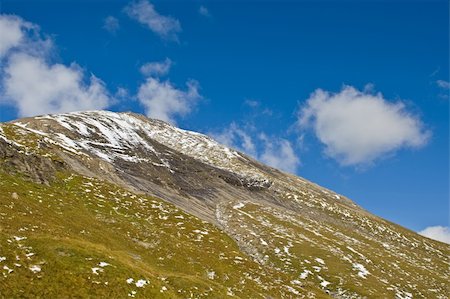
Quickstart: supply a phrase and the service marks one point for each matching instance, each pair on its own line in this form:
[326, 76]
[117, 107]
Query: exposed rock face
[281, 221]
[14, 160]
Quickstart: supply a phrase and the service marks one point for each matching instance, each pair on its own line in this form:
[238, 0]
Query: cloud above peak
[111, 24]
[279, 153]
[161, 100]
[12, 32]
[19, 35]
[204, 11]
[358, 127]
[144, 12]
[271, 150]
[33, 84]
[35, 87]
[439, 233]
[443, 84]
[159, 68]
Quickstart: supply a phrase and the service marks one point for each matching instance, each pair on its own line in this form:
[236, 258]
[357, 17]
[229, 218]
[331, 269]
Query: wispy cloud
[443, 84]
[160, 68]
[252, 103]
[271, 150]
[144, 12]
[236, 137]
[279, 153]
[33, 84]
[111, 24]
[439, 233]
[13, 32]
[19, 35]
[163, 101]
[203, 11]
[358, 127]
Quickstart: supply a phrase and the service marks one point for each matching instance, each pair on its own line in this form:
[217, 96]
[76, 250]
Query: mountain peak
[237, 226]
[119, 135]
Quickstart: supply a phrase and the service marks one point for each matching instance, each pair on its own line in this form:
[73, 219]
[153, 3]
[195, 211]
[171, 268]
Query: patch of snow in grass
[103, 264]
[96, 270]
[403, 295]
[304, 274]
[200, 232]
[296, 282]
[292, 290]
[35, 268]
[362, 271]
[230, 292]
[238, 206]
[324, 283]
[211, 274]
[320, 261]
[141, 283]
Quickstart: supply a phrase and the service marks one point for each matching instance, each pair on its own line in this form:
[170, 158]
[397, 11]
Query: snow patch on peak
[115, 134]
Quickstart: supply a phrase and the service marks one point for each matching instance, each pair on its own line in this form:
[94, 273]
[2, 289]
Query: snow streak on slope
[112, 136]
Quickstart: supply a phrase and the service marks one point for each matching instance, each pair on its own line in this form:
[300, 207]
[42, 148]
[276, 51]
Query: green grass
[407, 266]
[76, 223]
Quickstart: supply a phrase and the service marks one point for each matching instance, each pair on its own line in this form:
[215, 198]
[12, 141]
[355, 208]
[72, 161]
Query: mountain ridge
[283, 223]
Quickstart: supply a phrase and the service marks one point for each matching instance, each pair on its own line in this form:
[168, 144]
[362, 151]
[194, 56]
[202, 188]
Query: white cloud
[111, 24]
[163, 101]
[202, 10]
[122, 93]
[156, 68]
[273, 151]
[144, 12]
[443, 84]
[252, 103]
[235, 137]
[279, 153]
[439, 233]
[11, 29]
[35, 87]
[359, 127]
[33, 84]
[19, 35]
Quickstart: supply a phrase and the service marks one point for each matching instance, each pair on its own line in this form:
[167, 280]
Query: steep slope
[265, 233]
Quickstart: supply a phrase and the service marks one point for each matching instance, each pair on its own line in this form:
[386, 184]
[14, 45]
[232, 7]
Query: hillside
[114, 205]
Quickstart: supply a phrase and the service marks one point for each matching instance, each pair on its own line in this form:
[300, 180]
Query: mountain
[103, 204]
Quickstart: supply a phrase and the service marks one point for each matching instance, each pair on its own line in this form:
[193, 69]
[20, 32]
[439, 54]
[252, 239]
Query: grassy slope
[71, 226]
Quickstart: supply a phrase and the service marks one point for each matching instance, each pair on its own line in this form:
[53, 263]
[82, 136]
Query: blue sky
[350, 95]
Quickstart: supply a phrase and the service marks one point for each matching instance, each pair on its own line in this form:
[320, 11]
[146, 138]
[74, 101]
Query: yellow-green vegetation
[28, 141]
[80, 237]
[71, 228]
[363, 258]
